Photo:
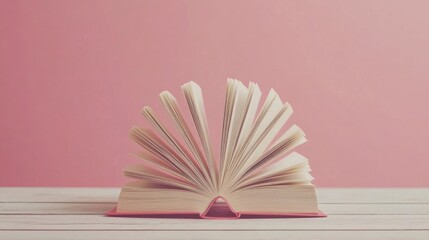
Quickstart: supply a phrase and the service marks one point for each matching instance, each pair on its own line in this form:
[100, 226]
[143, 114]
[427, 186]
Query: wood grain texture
[333, 222]
[324, 195]
[74, 208]
[209, 235]
[77, 213]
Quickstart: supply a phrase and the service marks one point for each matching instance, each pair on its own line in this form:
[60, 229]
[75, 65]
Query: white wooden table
[77, 213]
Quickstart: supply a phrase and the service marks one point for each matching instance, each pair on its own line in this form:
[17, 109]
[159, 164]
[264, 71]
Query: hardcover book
[255, 173]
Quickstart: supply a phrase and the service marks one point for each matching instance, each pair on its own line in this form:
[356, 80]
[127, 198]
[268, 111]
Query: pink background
[75, 74]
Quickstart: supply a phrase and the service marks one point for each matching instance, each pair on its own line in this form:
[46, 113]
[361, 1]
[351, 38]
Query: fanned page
[257, 173]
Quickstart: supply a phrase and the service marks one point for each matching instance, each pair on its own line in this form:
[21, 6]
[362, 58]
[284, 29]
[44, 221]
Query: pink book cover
[219, 208]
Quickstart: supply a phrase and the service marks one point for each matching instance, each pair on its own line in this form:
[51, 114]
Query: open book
[255, 174]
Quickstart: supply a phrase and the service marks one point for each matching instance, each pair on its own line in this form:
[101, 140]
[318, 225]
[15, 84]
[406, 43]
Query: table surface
[77, 213]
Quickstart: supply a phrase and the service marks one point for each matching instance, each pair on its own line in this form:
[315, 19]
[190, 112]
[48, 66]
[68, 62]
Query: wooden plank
[52, 213]
[94, 222]
[375, 209]
[373, 195]
[45, 194]
[74, 208]
[110, 195]
[57, 208]
[209, 235]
